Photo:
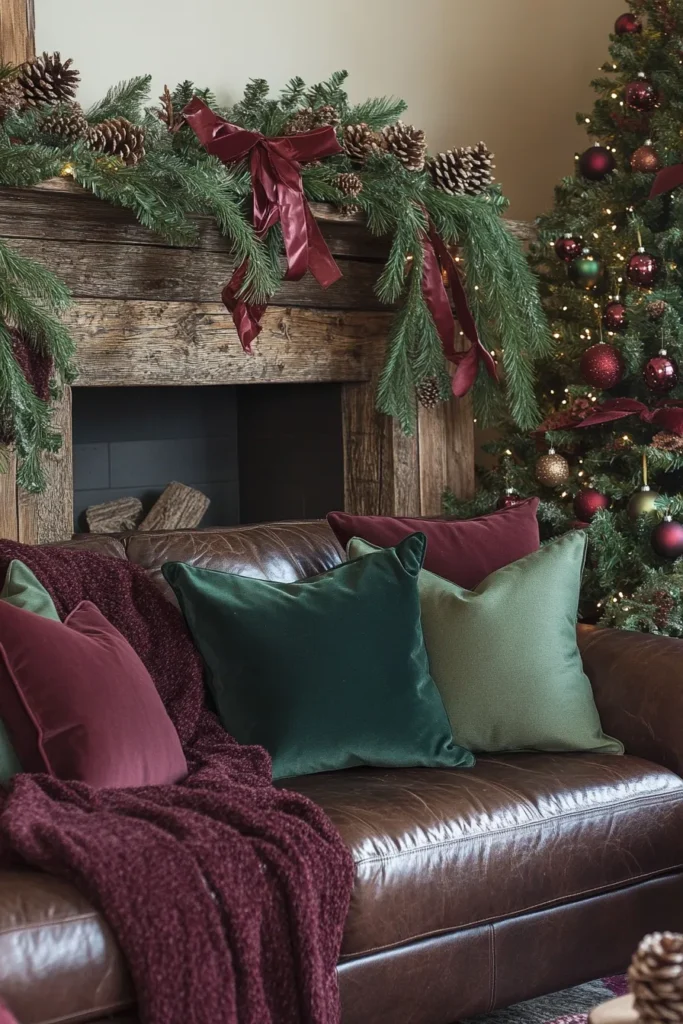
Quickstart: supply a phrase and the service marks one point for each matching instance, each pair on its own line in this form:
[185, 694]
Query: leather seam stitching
[593, 812]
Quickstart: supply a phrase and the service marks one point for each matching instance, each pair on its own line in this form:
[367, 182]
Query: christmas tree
[608, 454]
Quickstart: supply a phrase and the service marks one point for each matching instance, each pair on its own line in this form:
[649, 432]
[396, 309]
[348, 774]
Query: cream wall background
[511, 72]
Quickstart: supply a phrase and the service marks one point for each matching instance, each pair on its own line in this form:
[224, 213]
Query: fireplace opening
[258, 452]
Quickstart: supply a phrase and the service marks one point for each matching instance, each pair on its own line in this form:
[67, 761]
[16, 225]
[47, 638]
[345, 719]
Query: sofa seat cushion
[436, 850]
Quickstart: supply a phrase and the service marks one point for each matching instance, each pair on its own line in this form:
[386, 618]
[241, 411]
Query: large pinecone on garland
[349, 184]
[429, 393]
[407, 144]
[11, 95]
[359, 140]
[47, 80]
[655, 978]
[118, 137]
[309, 118]
[463, 171]
[68, 124]
[481, 173]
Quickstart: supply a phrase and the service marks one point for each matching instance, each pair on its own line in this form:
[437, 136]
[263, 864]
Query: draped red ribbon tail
[667, 180]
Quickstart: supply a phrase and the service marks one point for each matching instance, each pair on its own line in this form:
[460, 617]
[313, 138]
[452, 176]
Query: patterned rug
[571, 1006]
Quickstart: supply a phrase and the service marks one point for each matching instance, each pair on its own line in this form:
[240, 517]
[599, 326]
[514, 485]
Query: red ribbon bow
[667, 180]
[437, 259]
[667, 415]
[278, 196]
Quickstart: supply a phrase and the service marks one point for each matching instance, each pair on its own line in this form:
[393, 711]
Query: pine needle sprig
[127, 99]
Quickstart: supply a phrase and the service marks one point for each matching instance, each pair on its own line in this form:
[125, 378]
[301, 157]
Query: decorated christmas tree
[608, 454]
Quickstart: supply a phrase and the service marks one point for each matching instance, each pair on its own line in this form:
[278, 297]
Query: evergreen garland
[177, 179]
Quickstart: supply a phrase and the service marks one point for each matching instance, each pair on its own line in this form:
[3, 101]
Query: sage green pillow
[325, 673]
[23, 590]
[505, 657]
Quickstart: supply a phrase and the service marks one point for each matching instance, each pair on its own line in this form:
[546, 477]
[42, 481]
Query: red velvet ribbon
[667, 180]
[437, 259]
[667, 415]
[275, 166]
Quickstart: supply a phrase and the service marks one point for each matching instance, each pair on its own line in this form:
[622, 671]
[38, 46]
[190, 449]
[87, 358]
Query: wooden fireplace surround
[146, 313]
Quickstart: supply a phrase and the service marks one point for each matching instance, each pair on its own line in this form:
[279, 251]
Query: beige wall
[511, 72]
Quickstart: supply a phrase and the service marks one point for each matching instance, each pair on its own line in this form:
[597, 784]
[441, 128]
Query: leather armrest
[637, 682]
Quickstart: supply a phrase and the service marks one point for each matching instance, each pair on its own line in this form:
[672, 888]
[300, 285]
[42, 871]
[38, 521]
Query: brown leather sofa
[474, 888]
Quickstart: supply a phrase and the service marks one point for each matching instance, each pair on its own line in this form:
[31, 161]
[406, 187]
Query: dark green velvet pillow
[326, 673]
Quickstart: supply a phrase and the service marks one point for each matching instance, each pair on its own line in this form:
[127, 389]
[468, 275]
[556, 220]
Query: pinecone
[166, 112]
[655, 978]
[47, 79]
[11, 94]
[667, 442]
[656, 309]
[664, 604]
[349, 184]
[359, 140]
[69, 124]
[118, 137]
[429, 393]
[450, 171]
[481, 172]
[407, 144]
[308, 118]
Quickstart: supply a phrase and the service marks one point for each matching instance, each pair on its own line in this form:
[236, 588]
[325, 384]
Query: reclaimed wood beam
[17, 31]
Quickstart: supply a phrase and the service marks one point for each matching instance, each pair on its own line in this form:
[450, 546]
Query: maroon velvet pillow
[78, 703]
[464, 551]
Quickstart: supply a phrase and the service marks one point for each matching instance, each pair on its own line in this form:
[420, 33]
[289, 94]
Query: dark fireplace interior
[259, 452]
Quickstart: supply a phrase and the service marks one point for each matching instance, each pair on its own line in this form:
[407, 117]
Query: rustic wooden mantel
[146, 313]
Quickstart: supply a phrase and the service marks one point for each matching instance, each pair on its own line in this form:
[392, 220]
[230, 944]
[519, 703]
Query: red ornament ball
[645, 160]
[509, 499]
[614, 316]
[589, 501]
[601, 366]
[661, 373]
[568, 248]
[667, 538]
[641, 95]
[627, 24]
[596, 163]
[642, 269]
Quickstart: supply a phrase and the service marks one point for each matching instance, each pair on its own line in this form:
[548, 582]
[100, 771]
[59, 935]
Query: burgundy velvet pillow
[464, 551]
[79, 704]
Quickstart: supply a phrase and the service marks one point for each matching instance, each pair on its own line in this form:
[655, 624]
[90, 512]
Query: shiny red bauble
[509, 499]
[627, 24]
[588, 502]
[596, 163]
[601, 366]
[642, 269]
[641, 95]
[614, 316]
[661, 373]
[667, 538]
[568, 248]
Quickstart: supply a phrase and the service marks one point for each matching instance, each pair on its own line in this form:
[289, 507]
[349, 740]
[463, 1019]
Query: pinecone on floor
[450, 171]
[407, 143]
[47, 80]
[11, 95]
[309, 118]
[118, 137]
[655, 978]
[68, 124]
[481, 171]
[349, 184]
[359, 140]
[429, 393]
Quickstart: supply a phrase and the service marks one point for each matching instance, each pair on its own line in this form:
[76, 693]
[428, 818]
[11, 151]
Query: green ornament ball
[641, 502]
[585, 271]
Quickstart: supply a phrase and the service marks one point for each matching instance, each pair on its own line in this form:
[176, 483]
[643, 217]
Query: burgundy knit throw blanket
[227, 896]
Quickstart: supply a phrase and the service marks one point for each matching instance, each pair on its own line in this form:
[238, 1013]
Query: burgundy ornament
[614, 316]
[642, 269]
[641, 95]
[596, 163]
[568, 247]
[509, 499]
[667, 538]
[601, 366]
[627, 24]
[661, 373]
[589, 501]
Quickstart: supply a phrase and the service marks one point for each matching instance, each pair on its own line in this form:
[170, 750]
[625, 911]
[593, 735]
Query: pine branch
[127, 99]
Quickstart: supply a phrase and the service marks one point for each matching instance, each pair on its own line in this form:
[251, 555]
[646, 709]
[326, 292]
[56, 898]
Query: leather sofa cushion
[436, 850]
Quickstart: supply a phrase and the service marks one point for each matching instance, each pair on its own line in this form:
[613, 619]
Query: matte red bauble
[596, 163]
[588, 502]
[627, 24]
[661, 373]
[641, 95]
[642, 269]
[601, 366]
[509, 499]
[614, 316]
[568, 248]
[645, 160]
[667, 538]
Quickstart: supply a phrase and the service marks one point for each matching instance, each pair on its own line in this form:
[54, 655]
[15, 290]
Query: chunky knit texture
[228, 896]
